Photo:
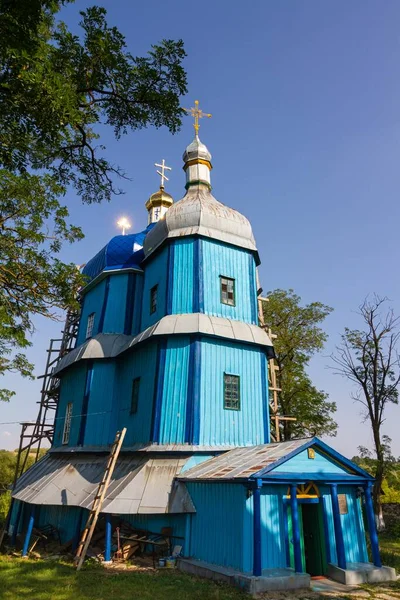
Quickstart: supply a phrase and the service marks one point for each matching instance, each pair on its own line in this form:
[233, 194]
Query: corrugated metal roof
[243, 462]
[109, 345]
[139, 484]
[147, 447]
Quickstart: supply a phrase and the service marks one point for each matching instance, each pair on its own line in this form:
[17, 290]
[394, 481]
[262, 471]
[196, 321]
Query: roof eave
[109, 271]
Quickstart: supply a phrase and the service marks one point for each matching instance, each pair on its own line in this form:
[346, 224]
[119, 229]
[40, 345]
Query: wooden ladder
[87, 533]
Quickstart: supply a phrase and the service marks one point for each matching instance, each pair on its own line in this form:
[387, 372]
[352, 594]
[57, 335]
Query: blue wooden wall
[175, 391]
[100, 404]
[92, 303]
[300, 463]
[69, 520]
[115, 305]
[246, 427]
[217, 526]
[273, 548]
[72, 389]
[138, 304]
[155, 274]
[155, 523]
[352, 525]
[16, 515]
[195, 460]
[185, 282]
[221, 259]
[139, 363]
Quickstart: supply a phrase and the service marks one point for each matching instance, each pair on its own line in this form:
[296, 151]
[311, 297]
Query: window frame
[153, 295]
[233, 280]
[237, 408]
[135, 388]
[90, 325]
[67, 424]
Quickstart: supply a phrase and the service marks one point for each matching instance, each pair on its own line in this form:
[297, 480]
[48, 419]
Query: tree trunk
[380, 523]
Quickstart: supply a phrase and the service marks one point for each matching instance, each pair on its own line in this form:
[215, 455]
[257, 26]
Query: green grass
[390, 550]
[22, 579]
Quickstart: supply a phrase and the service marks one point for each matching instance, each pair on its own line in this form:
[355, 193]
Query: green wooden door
[290, 535]
[312, 539]
[314, 543]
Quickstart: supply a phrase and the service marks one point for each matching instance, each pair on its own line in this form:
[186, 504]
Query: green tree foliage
[56, 90]
[391, 480]
[8, 463]
[299, 337]
[369, 359]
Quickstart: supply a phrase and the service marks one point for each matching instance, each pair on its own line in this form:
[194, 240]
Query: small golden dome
[160, 198]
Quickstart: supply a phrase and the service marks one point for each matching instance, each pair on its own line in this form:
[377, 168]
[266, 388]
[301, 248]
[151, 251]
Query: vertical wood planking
[218, 425]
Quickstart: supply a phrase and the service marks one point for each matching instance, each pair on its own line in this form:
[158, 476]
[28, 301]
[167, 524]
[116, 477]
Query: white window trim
[90, 325]
[67, 423]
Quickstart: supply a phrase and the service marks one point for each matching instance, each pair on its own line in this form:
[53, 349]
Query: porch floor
[270, 580]
[324, 586]
[359, 572]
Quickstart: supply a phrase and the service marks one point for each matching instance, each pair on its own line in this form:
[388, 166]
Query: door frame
[322, 526]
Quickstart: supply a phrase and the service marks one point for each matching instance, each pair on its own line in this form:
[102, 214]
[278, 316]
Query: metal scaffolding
[33, 434]
[273, 388]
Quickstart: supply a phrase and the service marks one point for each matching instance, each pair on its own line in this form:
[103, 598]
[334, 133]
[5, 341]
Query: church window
[227, 291]
[67, 423]
[135, 395]
[153, 299]
[90, 325]
[231, 392]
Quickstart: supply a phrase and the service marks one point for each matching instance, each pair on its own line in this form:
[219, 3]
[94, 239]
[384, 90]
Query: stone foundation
[357, 573]
[271, 579]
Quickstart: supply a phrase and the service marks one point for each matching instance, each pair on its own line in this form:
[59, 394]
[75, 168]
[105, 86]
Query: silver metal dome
[196, 150]
[199, 213]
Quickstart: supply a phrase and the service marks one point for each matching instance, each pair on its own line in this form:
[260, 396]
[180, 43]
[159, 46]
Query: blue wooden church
[169, 346]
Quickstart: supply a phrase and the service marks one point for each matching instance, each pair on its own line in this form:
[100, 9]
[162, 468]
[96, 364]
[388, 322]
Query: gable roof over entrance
[284, 461]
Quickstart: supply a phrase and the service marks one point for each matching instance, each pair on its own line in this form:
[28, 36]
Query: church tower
[169, 344]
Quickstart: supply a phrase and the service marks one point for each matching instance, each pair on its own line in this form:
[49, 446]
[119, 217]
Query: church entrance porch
[311, 529]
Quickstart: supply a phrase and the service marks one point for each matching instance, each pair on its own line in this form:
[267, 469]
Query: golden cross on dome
[197, 114]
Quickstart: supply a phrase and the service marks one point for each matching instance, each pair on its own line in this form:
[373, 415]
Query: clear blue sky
[305, 138]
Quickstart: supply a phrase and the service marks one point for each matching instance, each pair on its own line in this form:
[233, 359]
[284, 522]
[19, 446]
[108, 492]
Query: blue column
[107, 550]
[341, 557]
[16, 523]
[29, 531]
[298, 565]
[373, 534]
[257, 530]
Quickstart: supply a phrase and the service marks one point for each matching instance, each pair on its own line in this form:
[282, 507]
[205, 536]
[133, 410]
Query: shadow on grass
[46, 580]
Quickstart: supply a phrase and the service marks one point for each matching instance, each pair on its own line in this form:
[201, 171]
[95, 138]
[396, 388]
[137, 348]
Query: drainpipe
[298, 565]
[373, 534]
[341, 557]
[29, 532]
[107, 550]
[257, 570]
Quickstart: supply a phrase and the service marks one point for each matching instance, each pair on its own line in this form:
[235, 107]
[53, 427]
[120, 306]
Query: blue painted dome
[121, 252]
